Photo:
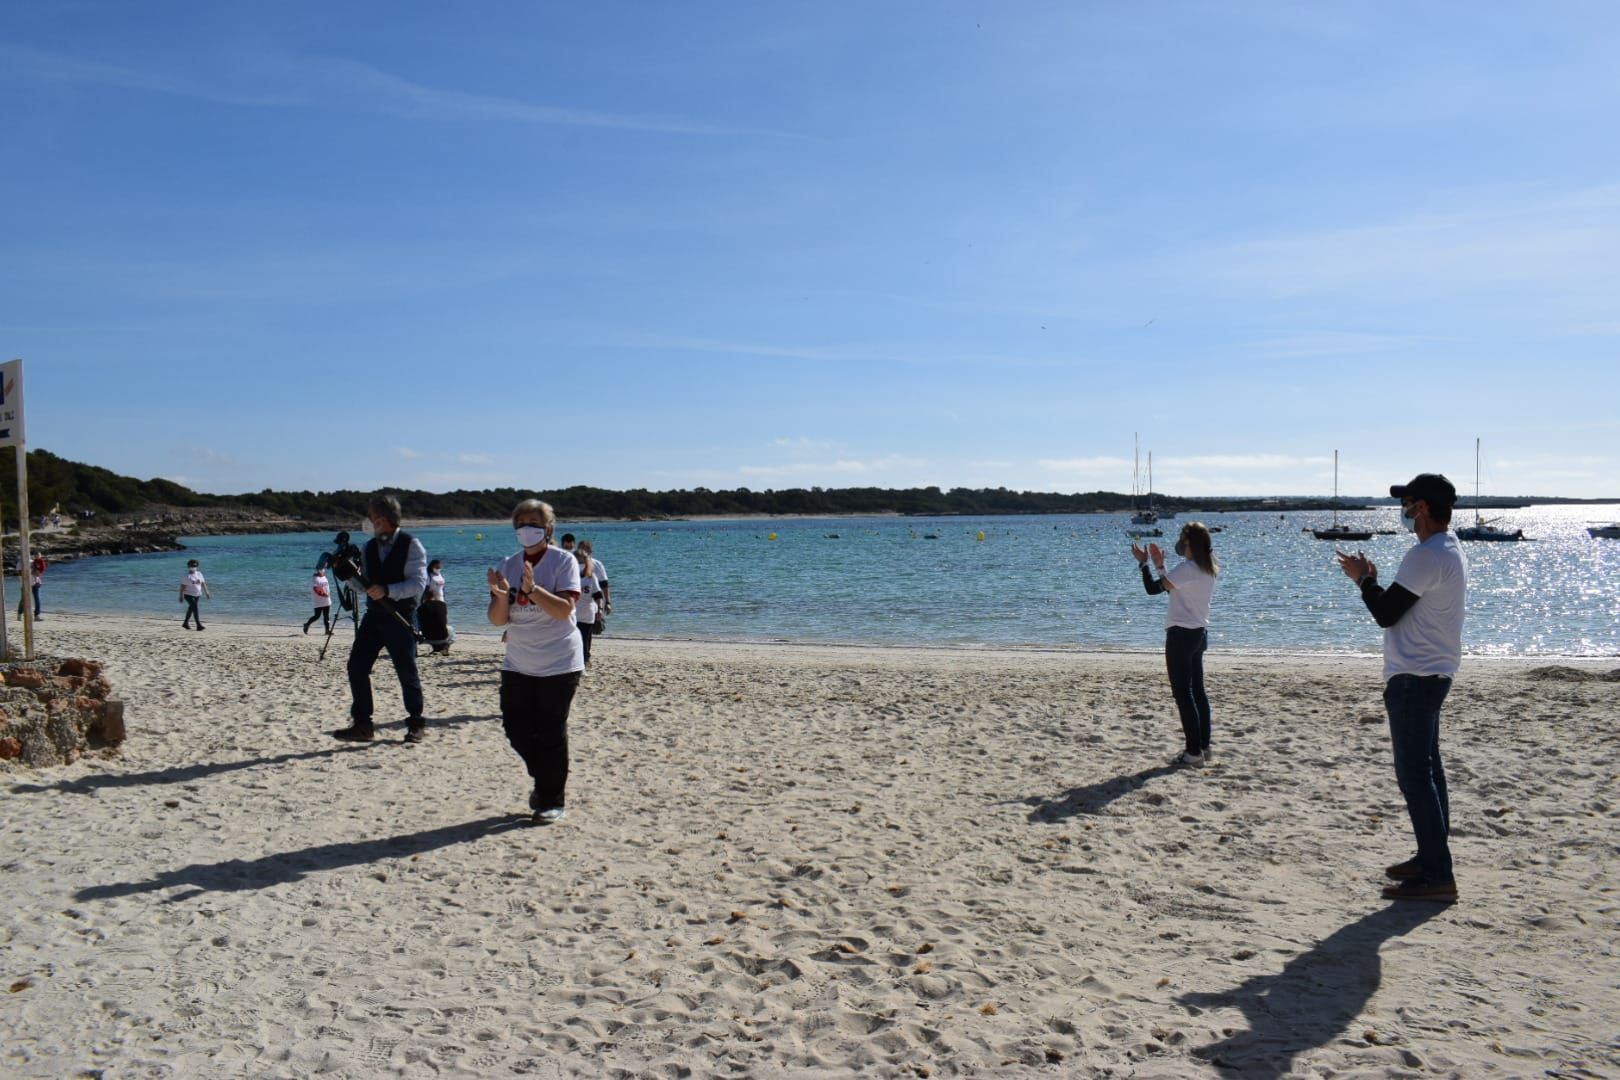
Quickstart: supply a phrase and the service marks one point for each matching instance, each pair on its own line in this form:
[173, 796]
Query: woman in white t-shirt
[1191, 585]
[322, 592]
[532, 594]
[590, 600]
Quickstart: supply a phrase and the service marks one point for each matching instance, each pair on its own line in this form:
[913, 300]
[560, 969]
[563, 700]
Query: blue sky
[318, 246]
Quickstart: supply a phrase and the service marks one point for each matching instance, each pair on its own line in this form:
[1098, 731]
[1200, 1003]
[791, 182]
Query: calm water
[1066, 581]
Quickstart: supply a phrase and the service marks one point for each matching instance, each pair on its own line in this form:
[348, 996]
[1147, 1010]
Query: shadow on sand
[239, 875]
[1091, 798]
[181, 774]
[1313, 999]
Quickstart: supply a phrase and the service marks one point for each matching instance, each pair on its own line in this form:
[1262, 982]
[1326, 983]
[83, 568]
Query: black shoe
[199, 626]
[416, 730]
[534, 799]
[356, 733]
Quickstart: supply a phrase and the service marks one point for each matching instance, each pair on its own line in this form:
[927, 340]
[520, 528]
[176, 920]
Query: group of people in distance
[549, 600]
[1421, 612]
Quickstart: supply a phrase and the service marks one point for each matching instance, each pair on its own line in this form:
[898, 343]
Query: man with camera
[393, 572]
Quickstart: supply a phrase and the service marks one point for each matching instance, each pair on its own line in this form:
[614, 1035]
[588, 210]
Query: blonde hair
[1201, 547]
[530, 506]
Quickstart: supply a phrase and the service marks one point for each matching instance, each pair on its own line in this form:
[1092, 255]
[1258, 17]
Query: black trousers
[379, 630]
[1184, 658]
[534, 712]
[322, 613]
[192, 612]
[586, 629]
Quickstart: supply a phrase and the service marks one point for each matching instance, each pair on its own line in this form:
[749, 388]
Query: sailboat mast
[1476, 480]
[1335, 489]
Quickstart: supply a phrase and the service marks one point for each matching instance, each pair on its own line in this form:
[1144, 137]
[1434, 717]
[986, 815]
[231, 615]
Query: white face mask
[530, 535]
[1408, 522]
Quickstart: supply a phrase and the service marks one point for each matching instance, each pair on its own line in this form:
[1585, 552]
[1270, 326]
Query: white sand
[804, 861]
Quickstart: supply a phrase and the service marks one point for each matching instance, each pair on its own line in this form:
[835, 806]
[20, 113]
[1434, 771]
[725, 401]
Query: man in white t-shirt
[1422, 616]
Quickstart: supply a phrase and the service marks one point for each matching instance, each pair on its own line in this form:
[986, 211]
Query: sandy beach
[803, 861]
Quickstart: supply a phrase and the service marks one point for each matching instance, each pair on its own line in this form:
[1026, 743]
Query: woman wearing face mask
[1191, 584]
[532, 594]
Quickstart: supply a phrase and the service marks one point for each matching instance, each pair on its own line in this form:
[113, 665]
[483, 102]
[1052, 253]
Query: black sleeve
[1387, 605]
[1152, 584]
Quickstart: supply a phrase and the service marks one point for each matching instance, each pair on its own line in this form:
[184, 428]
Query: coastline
[806, 860]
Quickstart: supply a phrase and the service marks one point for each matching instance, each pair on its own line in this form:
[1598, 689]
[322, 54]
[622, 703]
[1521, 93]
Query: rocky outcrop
[52, 711]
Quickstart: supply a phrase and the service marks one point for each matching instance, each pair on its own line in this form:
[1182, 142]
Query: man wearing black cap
[344, 559]
[1422, 616]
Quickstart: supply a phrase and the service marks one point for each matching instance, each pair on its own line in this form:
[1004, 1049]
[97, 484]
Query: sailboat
[1337, 531]
[1146, 518]
[1142, 517]
[1482, 529]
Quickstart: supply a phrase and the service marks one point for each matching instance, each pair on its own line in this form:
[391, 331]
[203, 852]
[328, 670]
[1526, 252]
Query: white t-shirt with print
[585, 610]
[1189, 600]
[598, 571]
[192, 583]
[435, 587]
[1428, 639]
[322, 590]
[536, 643]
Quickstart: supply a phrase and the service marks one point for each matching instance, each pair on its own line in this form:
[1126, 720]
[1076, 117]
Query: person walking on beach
[1422, 616]
[532, 594]
[323, 602]
[193, 586]
[1191, 585]
[394, 569]
[586, 613]
[599, 572]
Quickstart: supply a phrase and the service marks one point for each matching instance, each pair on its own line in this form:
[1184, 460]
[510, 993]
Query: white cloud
[475, 459]
[1084, 464]
[802, 443]
[407, 453]
[843, 467]
[1244, 461]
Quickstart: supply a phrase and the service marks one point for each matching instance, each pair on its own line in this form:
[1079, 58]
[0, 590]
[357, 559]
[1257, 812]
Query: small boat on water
[1604, 532]
[1142, 517]
[1482, 529]
[1337, 531]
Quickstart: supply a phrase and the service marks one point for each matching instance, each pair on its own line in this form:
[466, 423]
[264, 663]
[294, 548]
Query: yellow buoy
[770, 536]
[478, 536]
[980, 537]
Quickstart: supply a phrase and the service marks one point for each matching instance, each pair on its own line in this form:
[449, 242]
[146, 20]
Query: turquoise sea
[1040, 581]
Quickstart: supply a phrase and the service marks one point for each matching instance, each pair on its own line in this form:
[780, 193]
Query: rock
[53, 719]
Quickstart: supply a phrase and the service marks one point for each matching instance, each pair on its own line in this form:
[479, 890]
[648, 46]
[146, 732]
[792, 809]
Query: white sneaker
[1186, 759]
[550, 815]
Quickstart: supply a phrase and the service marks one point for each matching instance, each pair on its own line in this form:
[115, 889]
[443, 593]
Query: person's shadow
[1314, 998]
[182, 774]
[1091, 798]
[238, 875]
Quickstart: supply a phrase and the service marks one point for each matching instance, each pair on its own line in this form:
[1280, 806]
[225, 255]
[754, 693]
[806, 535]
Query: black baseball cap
[1432, 488]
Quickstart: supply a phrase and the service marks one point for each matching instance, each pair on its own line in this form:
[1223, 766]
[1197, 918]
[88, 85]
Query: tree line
[75, 487]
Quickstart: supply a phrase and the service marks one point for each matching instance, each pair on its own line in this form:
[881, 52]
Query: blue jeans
[378, 631]
[1184, 658]
[1413, 702]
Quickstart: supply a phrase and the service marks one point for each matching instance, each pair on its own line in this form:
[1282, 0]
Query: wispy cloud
[407, 453]
[336, 82]
[802, 444]
[1335, 343]
[1244, 461]
[467, 479]
[841, 467]
[1481, 240]
[1084, 464]
[475, 459]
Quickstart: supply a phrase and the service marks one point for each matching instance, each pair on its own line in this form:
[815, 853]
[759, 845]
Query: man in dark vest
[394, 570]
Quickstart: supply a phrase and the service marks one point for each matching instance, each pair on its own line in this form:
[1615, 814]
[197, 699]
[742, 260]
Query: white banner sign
[11, 403]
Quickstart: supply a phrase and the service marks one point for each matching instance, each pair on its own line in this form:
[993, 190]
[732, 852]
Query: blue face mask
[1408, 522]
[530, 535]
